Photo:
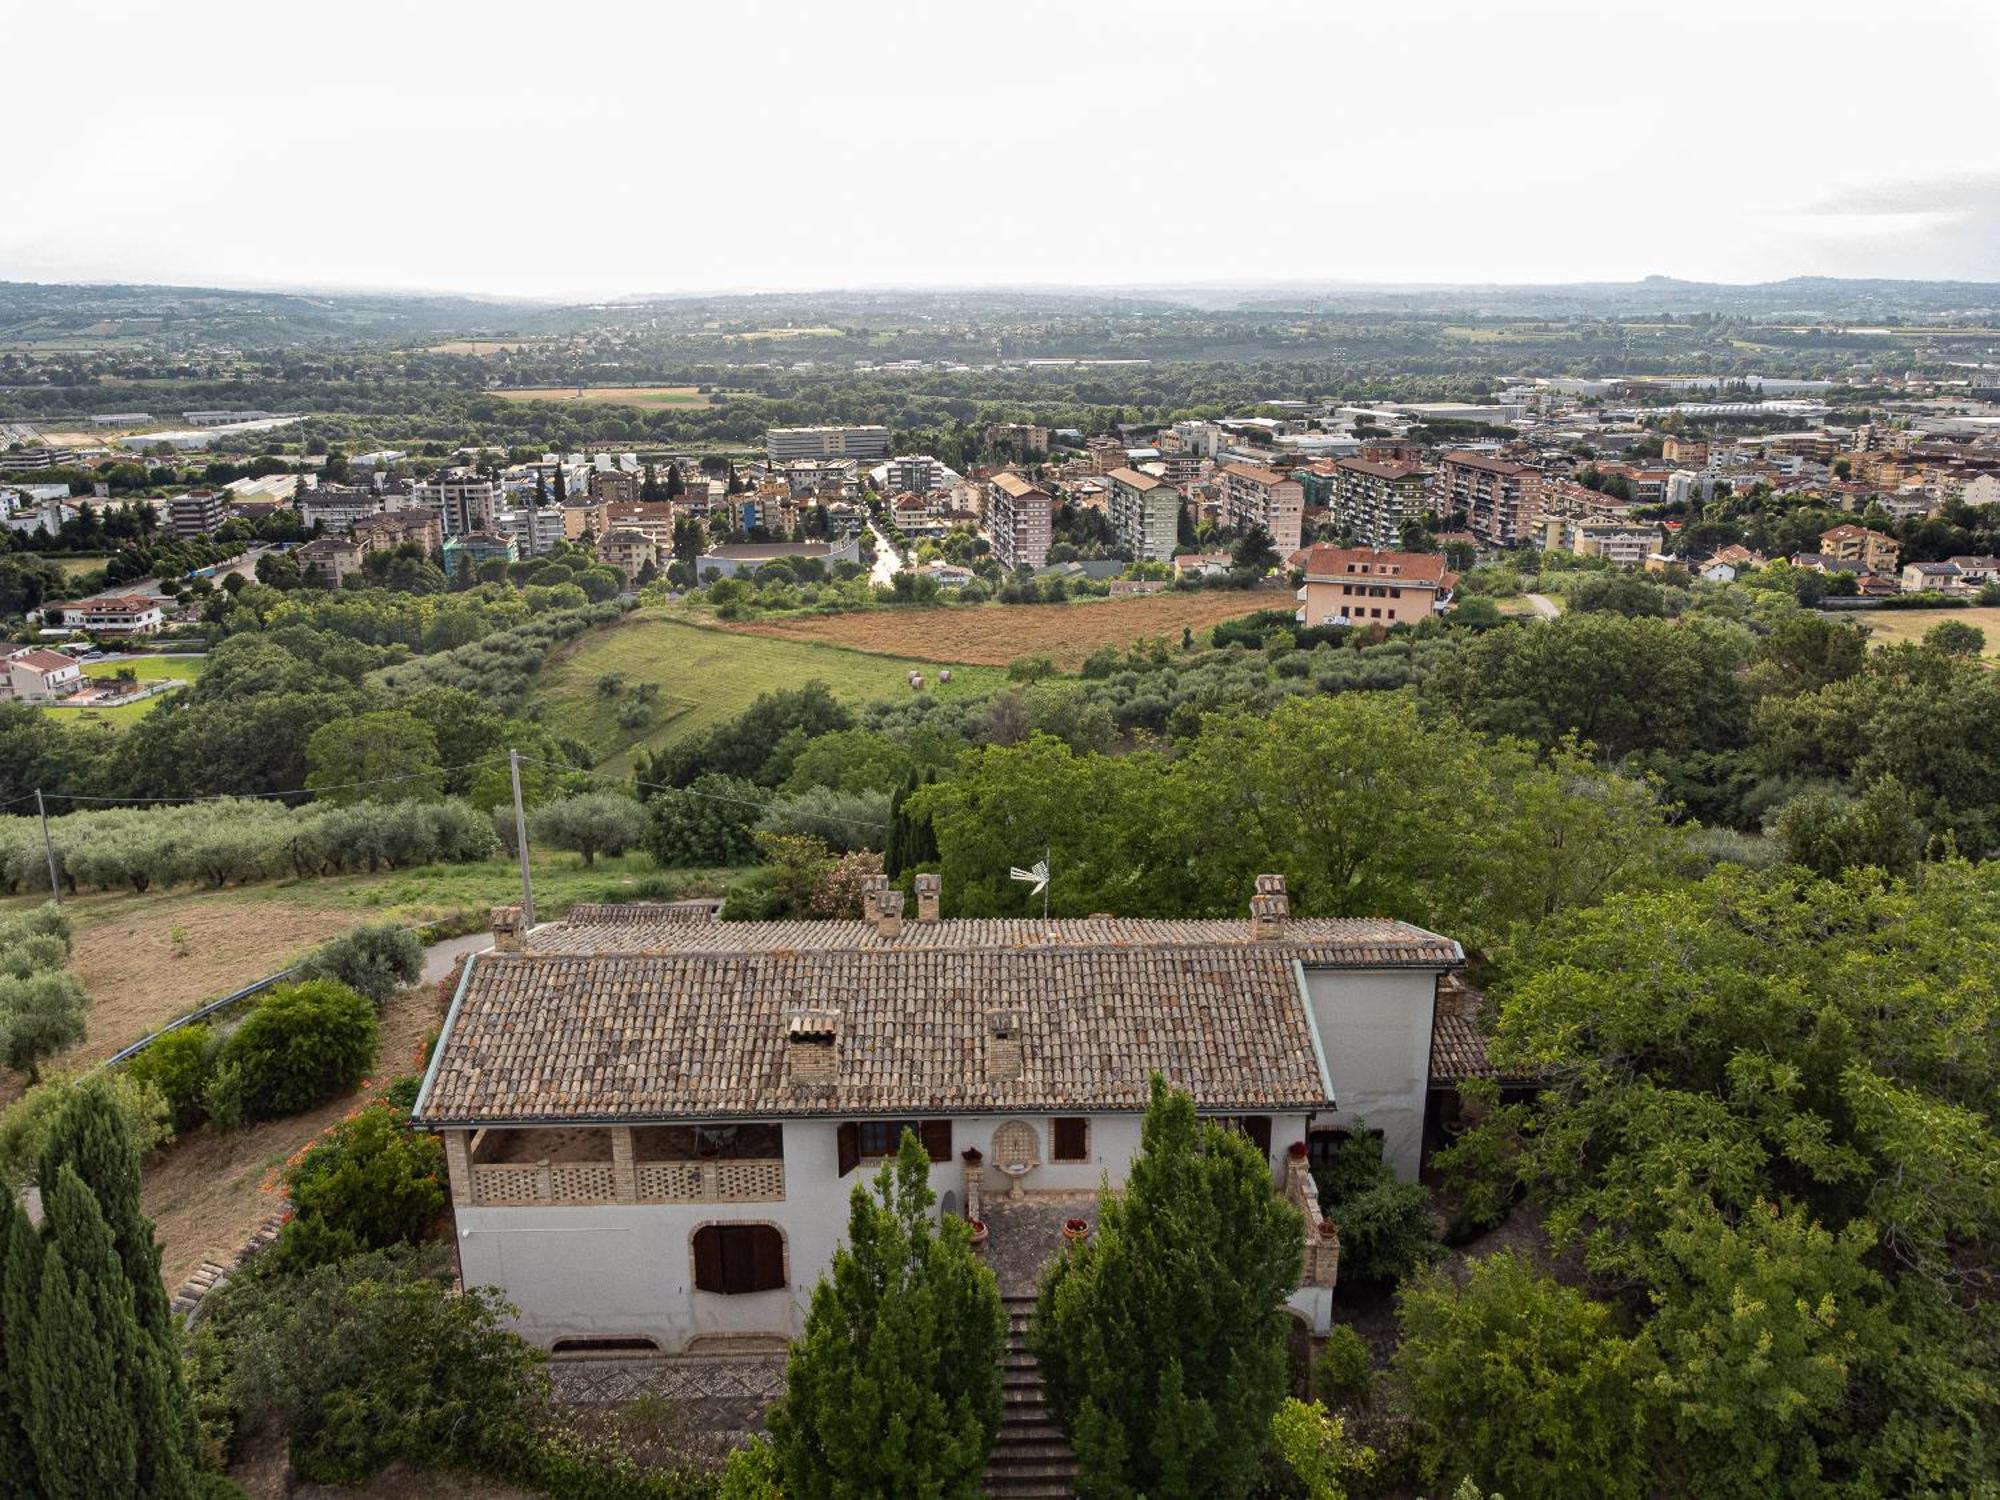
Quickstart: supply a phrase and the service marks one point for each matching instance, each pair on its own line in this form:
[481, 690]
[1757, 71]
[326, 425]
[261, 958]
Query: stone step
[1008, 1448]
[1029, 1489]
[1043, 1470]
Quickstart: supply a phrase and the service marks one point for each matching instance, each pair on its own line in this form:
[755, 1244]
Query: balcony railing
[652, 1182]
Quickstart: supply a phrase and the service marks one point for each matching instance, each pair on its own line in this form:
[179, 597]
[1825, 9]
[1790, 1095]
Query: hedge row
[239, 840]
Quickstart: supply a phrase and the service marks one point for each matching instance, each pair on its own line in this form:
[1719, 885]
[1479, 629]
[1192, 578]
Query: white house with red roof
[39, 675]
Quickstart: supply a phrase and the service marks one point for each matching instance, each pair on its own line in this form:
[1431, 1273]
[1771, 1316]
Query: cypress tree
[91, 1141]
[562, 486]
[895, 1388]
[81, 1342]
[20, 1283]
[676, 485]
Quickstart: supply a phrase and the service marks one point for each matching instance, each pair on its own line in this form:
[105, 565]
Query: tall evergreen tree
[676, 485]
[91, 1142]
[895, 1388]
[562, 486]
[1162, 1340]
[649, 487]
[20, 1284]
[81, 1343]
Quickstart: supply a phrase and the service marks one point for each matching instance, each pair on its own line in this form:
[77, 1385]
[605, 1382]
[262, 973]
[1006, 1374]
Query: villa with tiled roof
[653, 1118]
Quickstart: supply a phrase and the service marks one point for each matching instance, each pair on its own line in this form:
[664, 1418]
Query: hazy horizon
[1107, 145]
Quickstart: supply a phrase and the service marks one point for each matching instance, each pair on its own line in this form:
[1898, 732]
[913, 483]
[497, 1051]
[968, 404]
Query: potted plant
[979, 1230]
[1298, 1150]
[1076, 1229]
[971, 1156]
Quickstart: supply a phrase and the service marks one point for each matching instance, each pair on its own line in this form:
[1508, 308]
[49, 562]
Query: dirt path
[210, 1190]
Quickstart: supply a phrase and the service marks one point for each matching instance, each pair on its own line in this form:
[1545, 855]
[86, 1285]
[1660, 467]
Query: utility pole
[48, 848]
[521, 844]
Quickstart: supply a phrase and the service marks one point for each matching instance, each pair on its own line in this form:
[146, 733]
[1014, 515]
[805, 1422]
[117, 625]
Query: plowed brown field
[994, 634]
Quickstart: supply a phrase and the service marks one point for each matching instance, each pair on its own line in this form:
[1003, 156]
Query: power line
[303, 791]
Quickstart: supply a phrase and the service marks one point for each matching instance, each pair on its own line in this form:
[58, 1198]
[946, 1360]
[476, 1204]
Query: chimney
[507, 934]
[1269, 909]
[810, 1038]
[871, 895]
[930, 889]
[889, 913]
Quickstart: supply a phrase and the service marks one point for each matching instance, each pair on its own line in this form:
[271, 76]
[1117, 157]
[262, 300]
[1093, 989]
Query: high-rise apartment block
[1144, 511]
[1502, 501]
[1371, 501]
[1254, 496]
[826, 442]
[1019, 520]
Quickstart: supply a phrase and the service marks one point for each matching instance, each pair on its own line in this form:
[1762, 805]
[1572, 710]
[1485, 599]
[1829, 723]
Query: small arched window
[733, 1258]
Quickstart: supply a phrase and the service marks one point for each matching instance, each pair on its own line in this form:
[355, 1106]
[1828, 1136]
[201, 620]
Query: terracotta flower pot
[1298, 1149]
[979, 1230]
[1076, 1229]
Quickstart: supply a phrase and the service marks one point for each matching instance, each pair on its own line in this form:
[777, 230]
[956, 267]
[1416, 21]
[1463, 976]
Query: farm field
[1895, 626]
[995, 634]
[74, 566]
[484, 348]
[611, 395]
[708, 675]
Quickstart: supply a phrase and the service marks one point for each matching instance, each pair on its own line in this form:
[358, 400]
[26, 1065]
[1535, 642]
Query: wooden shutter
[1070, 1139]
[936, 1136]
[849, 1138]
[709, 1260]
[764, 1261]
[1258, 1128]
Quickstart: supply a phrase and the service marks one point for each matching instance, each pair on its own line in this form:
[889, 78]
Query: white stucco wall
[1375, 1030]
[604, 1270]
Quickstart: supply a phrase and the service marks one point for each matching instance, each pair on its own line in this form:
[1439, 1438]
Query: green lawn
[707, 676]
[148, 669]
[73, 567]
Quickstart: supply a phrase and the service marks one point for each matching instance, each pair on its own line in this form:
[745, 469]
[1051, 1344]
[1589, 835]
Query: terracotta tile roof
[1351, 941]
[1137, 480]
[1376, 470]
[1016, 485]
[42, 661]
[1418, 569]
[695, 1024]
[1256, 475]
[1489, 465]
[1458, 1049]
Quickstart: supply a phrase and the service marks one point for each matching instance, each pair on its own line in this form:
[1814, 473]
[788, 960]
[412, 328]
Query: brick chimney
[1270, 909]
[871, 895]
[507, 934]
[930, 890]
[889, 913]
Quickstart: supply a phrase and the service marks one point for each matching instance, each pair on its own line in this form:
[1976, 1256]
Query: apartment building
[1019, 520]
[1145, 513]
[1366, 586]
[1874, 550]
[1502, 500]
[619, 486]
[826, 442]
[1254, 496]
[196, 513]
[112, 614]
[400, 528]
[336, 507]
[653, 519]
[915, 474]
[1372, 500]
[689, 1189]
[463, 500]
[1627, 543]
[330, 561]
[628, 551]
[535, 529]
[1025, 437]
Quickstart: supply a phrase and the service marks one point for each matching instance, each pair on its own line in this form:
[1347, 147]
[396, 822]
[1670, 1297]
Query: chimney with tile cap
[871, 895]
[889, 913]
[507, 934]
[1269, 908]
[930, 890]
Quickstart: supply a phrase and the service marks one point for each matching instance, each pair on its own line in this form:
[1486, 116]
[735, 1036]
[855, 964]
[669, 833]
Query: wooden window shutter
[709, 1260]
[849, 1137]
[766, 1259]
[936, 1136]
[1258, 1128]
[1070, 1139]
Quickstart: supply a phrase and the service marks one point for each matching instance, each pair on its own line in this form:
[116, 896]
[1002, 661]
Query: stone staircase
[1031, 1459]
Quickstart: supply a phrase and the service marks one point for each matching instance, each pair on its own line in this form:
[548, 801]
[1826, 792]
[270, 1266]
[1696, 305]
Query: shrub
[370, 1182]
[591, 824]
[1344, 1373]
[177, 1064]
[1385, 1225]
[366, 1362]
[375, 960]
[303, 1044]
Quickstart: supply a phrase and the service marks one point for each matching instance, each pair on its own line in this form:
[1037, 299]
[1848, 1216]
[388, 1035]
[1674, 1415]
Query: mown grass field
[995, 634]
[611, 395]
[148, 669]
[708, 675]
[1894, 626]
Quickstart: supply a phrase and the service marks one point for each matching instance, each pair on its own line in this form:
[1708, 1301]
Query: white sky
[587, 149]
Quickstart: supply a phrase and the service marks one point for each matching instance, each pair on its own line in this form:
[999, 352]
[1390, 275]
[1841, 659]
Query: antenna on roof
[521, 844]
[1038, 874]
